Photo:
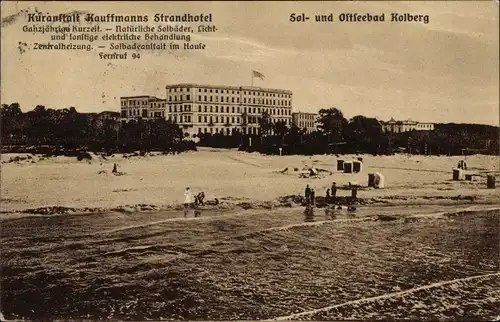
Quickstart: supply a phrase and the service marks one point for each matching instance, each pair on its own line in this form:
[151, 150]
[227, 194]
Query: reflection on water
[331, 213]
[309, 213]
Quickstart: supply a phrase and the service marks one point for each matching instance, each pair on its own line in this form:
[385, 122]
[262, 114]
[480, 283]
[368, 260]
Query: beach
[159, 181]
[79, 244]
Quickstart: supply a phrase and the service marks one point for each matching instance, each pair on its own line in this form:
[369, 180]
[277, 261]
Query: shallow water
[255, 264]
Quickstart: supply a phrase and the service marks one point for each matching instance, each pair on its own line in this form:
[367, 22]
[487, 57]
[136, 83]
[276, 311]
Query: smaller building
[394, 126]
[304, 120]
[144, 106]
[109, 115]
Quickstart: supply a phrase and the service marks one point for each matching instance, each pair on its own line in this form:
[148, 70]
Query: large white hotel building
[212, 109]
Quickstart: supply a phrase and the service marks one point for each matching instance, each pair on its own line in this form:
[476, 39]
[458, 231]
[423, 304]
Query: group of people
[462, 165]
[310, 194]
[193, 203]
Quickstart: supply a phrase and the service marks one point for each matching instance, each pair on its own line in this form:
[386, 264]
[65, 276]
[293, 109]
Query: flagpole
[252, 79]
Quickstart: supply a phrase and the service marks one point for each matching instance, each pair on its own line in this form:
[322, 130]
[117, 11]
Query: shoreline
[242, 204]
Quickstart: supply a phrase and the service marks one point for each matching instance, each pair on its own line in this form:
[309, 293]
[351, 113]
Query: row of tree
[65, 131]
[360, 134]
[69, 130]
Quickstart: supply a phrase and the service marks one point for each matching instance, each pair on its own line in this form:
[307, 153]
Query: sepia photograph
[250, 160]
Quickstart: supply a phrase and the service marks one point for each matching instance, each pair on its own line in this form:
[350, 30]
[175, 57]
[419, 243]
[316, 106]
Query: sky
[443, 71]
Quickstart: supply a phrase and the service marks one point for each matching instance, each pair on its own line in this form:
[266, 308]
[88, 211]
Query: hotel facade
[213, 109]
[307, 121]
[394, 126]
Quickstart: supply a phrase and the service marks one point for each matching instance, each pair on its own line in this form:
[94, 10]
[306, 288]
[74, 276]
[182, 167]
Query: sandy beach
[118, 247]
[159, 181]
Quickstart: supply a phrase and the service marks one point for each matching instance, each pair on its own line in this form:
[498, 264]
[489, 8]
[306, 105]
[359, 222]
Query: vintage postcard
[250, 160]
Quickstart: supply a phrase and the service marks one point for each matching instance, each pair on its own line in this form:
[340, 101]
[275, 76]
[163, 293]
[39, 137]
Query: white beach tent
[379, 180]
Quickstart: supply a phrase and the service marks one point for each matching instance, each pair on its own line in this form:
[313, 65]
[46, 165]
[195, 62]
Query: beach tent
[458, 174]
[379, 180]
[357, 166]
[348, 167]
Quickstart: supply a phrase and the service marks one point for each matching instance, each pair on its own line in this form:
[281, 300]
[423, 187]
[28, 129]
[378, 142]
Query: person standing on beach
[307, 194]
[313, 197]
[333, 191]
[188, 201]
[328, 195]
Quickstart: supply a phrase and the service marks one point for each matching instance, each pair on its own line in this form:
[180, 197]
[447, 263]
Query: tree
[332, 123]
[280, 129]
[12, 110]
[363, 133]
[265, 123]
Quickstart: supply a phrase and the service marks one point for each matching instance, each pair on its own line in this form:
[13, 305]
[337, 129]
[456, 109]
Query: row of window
[227, 131]
[136, 112]
[233, 120]
[180, 118]
[222, 91]
[216, 99]
[134, 103]
[303, 124]
[306, 116]
[425, 126]
[229, 109]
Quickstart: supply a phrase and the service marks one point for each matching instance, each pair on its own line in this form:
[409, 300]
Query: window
[205, 119]
[199, 119]
[199, 108]
[233, 109]
[205, 108]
